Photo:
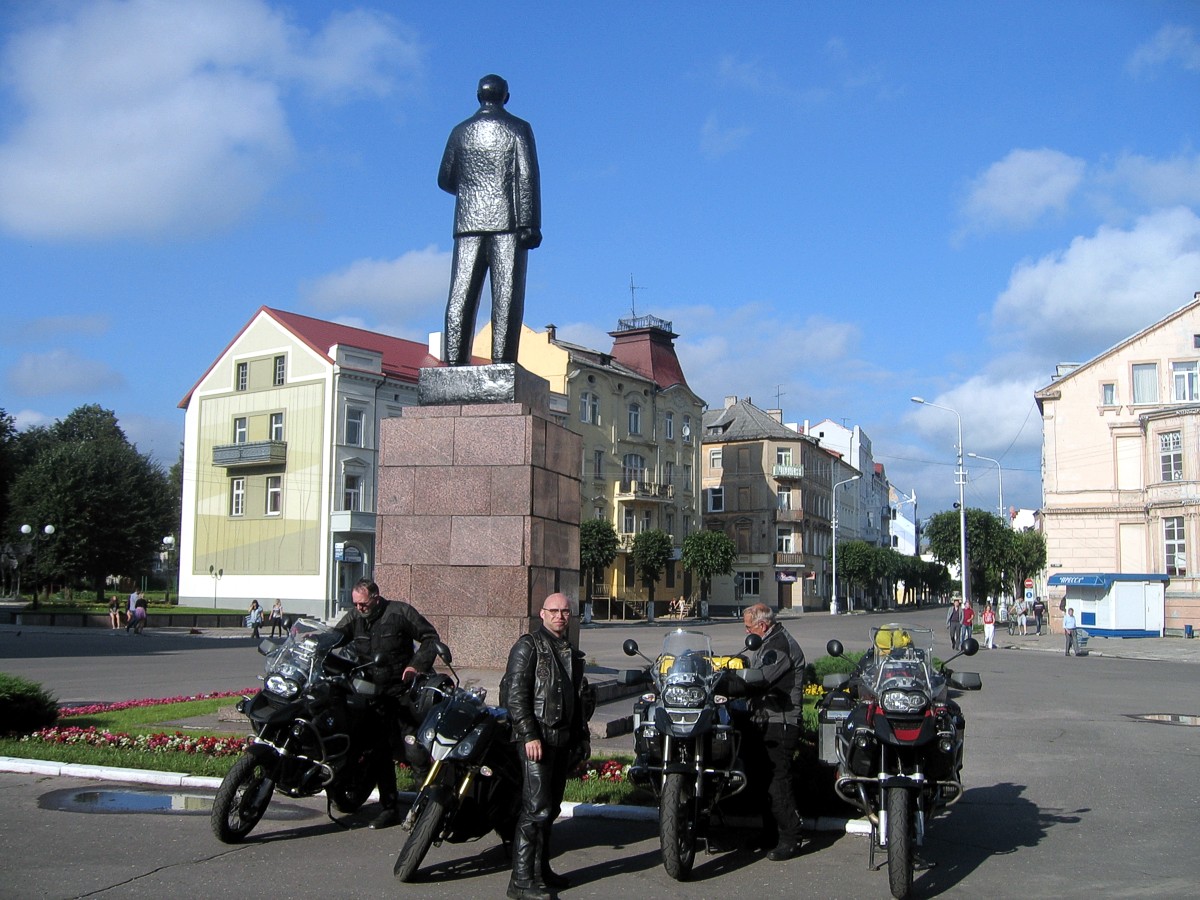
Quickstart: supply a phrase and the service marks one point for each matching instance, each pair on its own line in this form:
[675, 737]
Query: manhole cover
[1169, 719]
[129, 800]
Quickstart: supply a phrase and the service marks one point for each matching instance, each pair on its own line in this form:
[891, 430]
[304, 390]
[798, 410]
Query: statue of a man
[491, 166]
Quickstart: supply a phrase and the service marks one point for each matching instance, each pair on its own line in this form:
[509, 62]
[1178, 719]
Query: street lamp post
[960, 476]
[216, 576]
[1000, 476]
[833, 603]
[168, 546]
[34, 538]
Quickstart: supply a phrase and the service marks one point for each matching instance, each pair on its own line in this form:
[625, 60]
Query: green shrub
[24, 706]
[830, 665]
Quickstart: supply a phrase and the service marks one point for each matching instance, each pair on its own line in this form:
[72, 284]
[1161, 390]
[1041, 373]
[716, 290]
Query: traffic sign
[1028, 582]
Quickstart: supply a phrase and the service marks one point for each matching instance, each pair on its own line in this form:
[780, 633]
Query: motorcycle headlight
[284, 687]
[465, 747]
[904, 701]
[683, 696]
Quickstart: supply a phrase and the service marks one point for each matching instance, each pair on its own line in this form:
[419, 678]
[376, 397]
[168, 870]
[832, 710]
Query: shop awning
[1102, 579]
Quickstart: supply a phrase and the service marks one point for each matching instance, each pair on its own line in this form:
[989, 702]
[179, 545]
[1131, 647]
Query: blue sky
[842, 204]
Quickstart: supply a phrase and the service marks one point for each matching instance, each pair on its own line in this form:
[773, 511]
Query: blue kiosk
[1116, 604]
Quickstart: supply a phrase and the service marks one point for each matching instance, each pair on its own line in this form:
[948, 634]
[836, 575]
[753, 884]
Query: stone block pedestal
[478, 518]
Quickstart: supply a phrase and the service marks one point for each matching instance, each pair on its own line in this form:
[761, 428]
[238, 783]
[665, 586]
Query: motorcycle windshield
[902, 656]
[685, 670]
[307, 644]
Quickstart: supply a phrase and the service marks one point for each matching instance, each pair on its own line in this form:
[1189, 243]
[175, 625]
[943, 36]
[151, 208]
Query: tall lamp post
[960, 476]
[833, 603]
[168, 547]
[34, 538]
[1000, 476]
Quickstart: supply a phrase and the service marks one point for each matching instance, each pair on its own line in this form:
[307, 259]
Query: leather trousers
[541, 801]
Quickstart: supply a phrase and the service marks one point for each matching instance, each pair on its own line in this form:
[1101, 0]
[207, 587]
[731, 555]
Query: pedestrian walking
[968, 623]
[1023, 618]
[254, 619]
[954, 623]
[1069, 630]
[1039, 614]
[989, 627]
[277, 618]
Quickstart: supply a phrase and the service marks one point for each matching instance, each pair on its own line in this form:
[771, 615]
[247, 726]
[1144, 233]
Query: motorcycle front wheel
[677, 825]
[353, 786]
[242, 798]
[900, 842]
[420, 839]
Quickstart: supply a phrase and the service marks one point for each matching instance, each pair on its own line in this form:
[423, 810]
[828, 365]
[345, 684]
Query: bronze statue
[491, 166]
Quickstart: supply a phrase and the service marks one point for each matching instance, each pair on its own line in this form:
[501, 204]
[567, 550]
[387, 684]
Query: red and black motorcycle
[896, 738]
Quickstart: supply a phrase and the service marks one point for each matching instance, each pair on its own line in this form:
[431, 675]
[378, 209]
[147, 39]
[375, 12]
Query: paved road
[1069, 795]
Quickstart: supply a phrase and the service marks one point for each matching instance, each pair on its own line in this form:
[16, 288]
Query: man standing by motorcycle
[777, 717]
[545, 703]
[389, 628]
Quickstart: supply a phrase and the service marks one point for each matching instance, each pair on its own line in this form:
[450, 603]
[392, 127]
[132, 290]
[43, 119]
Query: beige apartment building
[639, 422]
[1121, 472]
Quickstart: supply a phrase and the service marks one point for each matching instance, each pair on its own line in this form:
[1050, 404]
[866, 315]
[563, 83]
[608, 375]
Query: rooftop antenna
[778, 394]
[633, 289]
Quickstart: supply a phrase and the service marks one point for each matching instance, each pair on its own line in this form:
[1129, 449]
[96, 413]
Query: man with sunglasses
[379, 627]
[545, 703]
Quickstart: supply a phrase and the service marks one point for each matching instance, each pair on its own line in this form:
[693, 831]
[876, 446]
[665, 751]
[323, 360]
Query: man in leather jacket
[545, 704]
[379, 627]
[778, 708]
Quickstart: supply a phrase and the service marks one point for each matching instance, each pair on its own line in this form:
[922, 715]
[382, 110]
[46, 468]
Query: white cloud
[1019, 189]
[1156, 183]
[48, 328]
[31, 418]
[1172, 43]
[409, 286]
[716, 141]
[59, 371]
[153, 117]
[1103, 288]
[984, 401]
[156, 436]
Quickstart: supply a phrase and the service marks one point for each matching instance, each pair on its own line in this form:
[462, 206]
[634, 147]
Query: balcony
[625, 541]
[790, 560]
[787, 473]
[789, 515]
[252, 453]
[630, 489]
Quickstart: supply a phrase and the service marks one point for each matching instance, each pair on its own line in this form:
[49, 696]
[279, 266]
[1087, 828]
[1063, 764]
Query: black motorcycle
[474, 782]
[897, 740]
[312, 724]
[687, 737]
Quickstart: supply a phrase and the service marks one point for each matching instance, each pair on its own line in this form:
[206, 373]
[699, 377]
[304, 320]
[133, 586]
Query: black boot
[388, 817]
[547, 876]
[526, 852]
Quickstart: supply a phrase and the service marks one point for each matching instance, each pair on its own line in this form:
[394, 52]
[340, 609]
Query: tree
[89, 423]
[597, 550]
[988, 547]
[855, 566]
[651, 552]
[707, 554]
[110, 505]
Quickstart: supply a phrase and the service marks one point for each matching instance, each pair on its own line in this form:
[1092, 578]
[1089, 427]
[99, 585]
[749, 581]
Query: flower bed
[160, 742]
[96, 708]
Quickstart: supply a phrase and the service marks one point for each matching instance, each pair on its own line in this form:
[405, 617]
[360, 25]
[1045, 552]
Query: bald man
[545, 703]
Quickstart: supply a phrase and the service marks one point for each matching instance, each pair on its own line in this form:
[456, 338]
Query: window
[783, 499]
[1170, 455]
[669, 426]
[352, 493]
[686, 478]
[783, 456]
[1174, 546]
[597, 463]
[237, 497]
[1184, 374]
[714, 458]
[635, 418]
[669, 473]
[240, 433]
[633, 467]
[647, 520]
[274, 495]
[783, 540]
[1145, 383]
[628, 520]
[669, 523]
[277, 426]
[1108, 394]
[589, 408]
[280, 370]
[716, 499]
[687, 429]
[750, 583]
[354, 427]
[243, 376]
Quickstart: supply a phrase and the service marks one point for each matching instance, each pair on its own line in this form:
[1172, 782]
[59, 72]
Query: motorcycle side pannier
[832, 717]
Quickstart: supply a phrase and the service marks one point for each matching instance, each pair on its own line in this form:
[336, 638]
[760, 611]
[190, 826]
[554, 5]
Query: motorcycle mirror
[753, 642]
[443, 651]
[834, 648]
[267, 647]
[970, 647]
[630, 647]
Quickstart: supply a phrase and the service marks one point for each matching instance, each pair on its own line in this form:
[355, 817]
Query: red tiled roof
[651, 353]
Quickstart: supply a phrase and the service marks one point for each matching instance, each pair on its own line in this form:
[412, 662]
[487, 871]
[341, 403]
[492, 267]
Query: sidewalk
[1168, 649]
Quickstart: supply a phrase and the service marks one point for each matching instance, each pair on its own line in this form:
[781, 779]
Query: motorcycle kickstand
[871, 851]
[329, 813]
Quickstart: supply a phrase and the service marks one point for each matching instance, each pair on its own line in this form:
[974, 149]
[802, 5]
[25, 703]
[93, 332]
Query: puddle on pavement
[132, 800]
[1169, 719]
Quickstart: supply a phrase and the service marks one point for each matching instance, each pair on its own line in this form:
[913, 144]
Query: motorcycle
[474, 782]
[312, 726]
[897, 740]
[687, 738]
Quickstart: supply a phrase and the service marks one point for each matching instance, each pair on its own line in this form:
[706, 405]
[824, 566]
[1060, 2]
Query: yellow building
[280, 443]
[640, 425]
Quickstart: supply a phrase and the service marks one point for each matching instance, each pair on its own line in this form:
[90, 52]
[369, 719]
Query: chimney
[551, 331]
[776, 414]
[729, 401]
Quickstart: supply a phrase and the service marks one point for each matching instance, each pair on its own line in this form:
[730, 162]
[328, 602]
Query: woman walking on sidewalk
[989, 627]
